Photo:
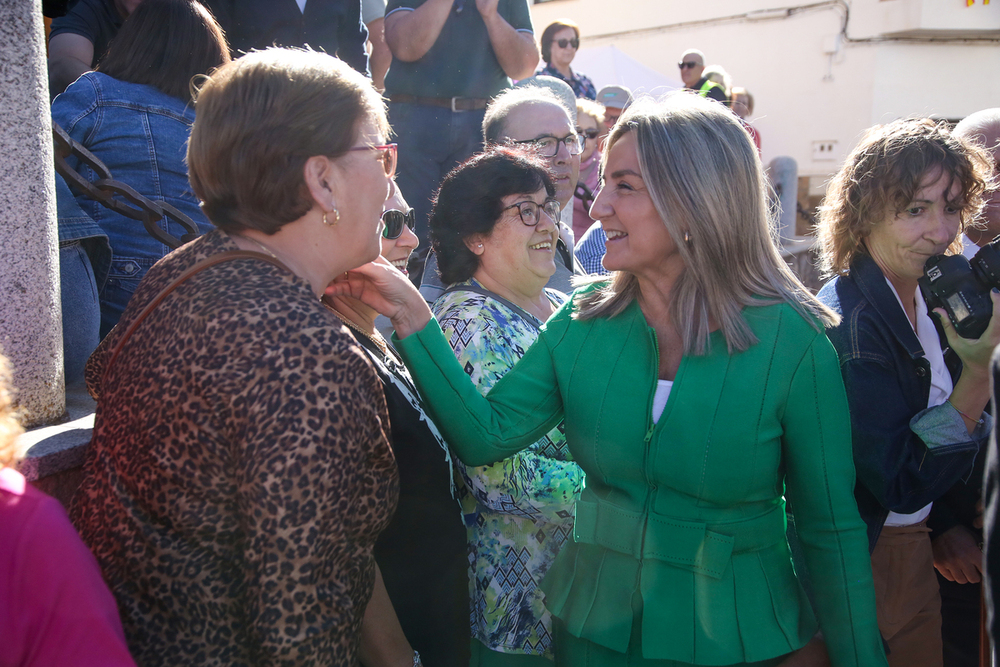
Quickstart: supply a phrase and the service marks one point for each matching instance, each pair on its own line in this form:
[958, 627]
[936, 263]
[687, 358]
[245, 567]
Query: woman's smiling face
[398, 250]
[638, 241]
[518, 256]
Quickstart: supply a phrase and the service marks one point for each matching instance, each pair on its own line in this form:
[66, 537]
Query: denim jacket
[906, 454]
[141, 136]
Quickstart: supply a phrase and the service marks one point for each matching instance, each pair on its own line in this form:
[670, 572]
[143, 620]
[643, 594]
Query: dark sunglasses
[688, 65]
[590, 133]
[394, 220]
[563, 43]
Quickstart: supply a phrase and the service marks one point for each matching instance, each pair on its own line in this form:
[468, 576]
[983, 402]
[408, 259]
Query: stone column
[30, 318]
[784, 173]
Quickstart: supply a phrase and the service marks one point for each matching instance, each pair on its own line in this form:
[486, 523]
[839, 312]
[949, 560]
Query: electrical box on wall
[824, 151]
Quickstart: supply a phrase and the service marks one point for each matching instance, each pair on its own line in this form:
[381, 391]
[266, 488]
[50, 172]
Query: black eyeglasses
[548, 146]
[563, 43]
[687, 65]
[530, 211]
[590, 133]
[395, 219]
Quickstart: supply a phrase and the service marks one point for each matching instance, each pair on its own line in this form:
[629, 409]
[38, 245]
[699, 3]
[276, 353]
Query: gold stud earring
[687, 238]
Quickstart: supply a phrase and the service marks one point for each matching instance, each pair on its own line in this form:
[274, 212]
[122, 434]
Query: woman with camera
[916, 399]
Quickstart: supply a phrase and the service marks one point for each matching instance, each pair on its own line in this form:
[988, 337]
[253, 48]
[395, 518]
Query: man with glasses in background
[534, 116]
[692, 65]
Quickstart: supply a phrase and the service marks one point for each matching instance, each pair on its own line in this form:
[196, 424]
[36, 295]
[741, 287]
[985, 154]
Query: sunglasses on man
[687, 65]
[394, 220]
[563, 43]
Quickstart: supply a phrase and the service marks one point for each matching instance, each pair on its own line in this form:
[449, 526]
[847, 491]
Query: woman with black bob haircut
[494, 232]
[135, 114]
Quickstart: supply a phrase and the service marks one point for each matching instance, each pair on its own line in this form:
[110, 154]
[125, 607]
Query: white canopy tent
[607, 65]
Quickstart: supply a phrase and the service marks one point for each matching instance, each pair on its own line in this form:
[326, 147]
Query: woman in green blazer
[698, 391]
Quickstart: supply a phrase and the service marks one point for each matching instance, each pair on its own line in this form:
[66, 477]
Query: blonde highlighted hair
[706, 181]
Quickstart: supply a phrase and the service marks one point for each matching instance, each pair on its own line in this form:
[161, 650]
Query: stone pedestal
[30, 318]
[784, 173]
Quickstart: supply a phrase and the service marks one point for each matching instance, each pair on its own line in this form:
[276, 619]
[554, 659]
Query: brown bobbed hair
[470, 202]
[259, 119]
[550, 31]
[882, 175]
[166, 44]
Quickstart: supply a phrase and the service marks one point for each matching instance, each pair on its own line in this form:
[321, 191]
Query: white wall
[802, 93]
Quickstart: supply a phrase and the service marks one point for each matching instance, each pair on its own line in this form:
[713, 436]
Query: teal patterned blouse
[519, 511]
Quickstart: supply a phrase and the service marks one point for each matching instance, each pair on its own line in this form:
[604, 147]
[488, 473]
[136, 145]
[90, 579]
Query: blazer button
[921, 371]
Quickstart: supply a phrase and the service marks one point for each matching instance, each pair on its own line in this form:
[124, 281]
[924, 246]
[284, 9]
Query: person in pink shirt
[54, 607]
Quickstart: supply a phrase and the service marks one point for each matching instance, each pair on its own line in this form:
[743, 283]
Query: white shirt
[969, 249]
[663, 388]
[941, 384]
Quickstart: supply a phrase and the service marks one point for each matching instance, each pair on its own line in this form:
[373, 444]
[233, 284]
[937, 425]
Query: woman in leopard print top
[240, 469]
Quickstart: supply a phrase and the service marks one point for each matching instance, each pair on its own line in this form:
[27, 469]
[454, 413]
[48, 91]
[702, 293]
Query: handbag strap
[178, 281]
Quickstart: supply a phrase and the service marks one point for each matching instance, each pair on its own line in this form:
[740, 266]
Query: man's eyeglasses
[531, 212]
[563, 43]
[687, 65]
[394, 220]
[548, 146]
[590, 132]
[387, 156]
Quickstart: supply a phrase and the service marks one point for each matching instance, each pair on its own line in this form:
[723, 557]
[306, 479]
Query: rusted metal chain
[115, 195]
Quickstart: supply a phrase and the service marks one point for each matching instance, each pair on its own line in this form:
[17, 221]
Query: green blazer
[688, 512]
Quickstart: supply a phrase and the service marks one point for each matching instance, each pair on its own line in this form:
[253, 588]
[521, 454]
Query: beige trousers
[907, 598]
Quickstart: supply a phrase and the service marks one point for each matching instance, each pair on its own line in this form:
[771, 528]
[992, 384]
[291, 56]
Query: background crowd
[467, 372]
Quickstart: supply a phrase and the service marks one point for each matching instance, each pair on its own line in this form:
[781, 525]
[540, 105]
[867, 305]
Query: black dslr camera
[962, 287]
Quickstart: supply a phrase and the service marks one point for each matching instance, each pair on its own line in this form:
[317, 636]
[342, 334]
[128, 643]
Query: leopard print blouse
[240, 470]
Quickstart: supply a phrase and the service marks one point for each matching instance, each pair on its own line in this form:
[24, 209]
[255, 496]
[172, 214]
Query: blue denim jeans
[432, 141]
[81, 313]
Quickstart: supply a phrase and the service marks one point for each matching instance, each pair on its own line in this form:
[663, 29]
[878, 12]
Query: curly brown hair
[881, 177]
[9, 426]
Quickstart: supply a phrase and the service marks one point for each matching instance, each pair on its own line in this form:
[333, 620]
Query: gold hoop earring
[336, 218]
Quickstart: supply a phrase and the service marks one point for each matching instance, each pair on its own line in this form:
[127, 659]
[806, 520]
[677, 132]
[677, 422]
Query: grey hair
[495, 120]
[706, 181]
[971, 127]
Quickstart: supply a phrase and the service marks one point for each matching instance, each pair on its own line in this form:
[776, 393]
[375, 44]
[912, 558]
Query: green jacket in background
[688, 512]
